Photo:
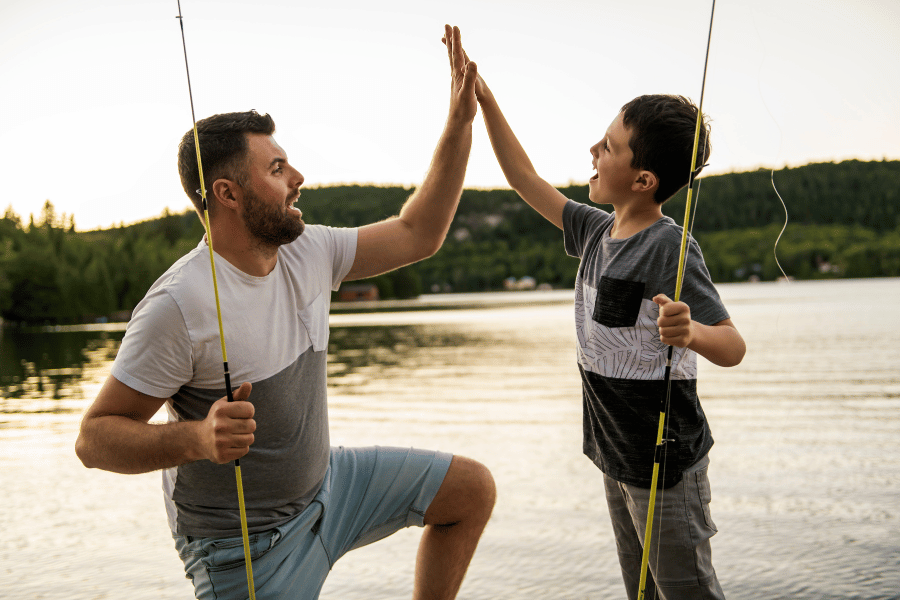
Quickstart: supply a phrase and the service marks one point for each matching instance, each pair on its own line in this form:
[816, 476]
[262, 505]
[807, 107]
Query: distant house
[526, 283]
[121, 316]
[357, 292]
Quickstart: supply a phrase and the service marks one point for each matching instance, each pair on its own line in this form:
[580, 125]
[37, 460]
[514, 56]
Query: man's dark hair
[223, 148]
[662, 139]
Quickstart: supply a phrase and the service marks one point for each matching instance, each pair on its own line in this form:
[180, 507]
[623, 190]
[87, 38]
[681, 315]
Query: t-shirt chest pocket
[618, 302]
[314, 318]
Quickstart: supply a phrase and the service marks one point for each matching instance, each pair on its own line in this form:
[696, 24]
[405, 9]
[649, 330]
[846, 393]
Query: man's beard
[268, 224]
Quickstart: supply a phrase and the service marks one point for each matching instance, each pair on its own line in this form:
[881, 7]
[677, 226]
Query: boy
[625, 319]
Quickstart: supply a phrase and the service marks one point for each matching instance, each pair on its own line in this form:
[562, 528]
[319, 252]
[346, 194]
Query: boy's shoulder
[585, 218]
[665, 230]
[579, 210]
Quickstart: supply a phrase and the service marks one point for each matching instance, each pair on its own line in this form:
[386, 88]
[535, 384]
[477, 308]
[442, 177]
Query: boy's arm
[720, 344]
[517, 167]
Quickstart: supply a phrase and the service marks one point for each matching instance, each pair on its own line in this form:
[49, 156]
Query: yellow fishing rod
[660, 445]
[212, 263]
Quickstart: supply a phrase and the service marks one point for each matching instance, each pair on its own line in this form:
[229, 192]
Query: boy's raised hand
[516, 166]
[675, 325]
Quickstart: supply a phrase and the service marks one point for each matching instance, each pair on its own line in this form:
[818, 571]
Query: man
[307, 503]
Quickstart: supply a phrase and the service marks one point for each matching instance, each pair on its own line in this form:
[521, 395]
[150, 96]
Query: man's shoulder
[185, 271]
[186, 282]
[320, 237]
[318, 245]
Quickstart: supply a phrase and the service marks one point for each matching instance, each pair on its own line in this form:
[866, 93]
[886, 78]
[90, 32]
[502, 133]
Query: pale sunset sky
[95, 94]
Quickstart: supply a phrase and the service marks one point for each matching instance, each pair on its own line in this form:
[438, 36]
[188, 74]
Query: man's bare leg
[453, 525]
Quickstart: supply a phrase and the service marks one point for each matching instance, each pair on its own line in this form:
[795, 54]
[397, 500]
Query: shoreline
[477, 300]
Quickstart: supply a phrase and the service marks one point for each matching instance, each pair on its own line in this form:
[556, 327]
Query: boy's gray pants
[680, 555]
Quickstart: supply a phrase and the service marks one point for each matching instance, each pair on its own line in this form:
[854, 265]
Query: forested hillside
[844, 222]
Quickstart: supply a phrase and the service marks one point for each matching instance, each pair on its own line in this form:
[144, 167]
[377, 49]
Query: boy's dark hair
[662, 139]
[223, 148]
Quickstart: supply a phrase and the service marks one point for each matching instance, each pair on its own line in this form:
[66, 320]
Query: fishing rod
[660, 444]
[212, 262]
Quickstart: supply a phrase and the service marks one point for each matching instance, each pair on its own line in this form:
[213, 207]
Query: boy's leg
[680, 554]
[453, 525]
[628, 544]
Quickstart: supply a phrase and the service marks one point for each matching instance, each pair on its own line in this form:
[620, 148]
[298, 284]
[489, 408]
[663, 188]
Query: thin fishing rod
[212, 263]
[660, 444]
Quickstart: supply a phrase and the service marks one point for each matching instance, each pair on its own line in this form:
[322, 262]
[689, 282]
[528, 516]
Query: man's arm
[517, 167]
[116, 435]
[720, 344]
[424, 220]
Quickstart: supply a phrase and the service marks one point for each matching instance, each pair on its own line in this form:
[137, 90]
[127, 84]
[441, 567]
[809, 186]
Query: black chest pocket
[618, 302]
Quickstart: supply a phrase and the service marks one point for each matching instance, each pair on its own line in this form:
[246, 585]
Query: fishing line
[212, 262]
[660, 444]
[784, 206]
[772, 172]
[779, 433]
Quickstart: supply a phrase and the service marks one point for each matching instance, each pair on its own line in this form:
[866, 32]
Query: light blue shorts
[368, 494]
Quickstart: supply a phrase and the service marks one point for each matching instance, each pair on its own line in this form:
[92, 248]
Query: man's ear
[226, 193]
[646, 181]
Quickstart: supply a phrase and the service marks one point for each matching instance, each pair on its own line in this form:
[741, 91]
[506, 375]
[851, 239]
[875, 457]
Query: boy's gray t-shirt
[276, 333]
[620, 356]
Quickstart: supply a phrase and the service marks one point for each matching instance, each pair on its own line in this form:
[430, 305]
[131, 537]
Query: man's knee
[482, 487]
[468, 493]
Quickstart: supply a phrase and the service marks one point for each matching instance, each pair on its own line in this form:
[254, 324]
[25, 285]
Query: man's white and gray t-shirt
[276, 332]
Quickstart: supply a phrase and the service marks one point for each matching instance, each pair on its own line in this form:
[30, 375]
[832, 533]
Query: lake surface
[805, 470]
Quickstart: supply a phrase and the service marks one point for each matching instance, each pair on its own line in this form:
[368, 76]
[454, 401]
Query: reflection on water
[46, 372]
[353, 352]
[805, 480]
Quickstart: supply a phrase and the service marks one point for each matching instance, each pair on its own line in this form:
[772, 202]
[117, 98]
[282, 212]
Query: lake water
[805, 470]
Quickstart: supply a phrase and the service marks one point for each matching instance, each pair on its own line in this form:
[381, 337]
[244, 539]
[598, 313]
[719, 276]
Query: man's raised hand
[464, 74]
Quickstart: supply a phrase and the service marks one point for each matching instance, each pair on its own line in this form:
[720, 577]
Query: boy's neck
[633, 217]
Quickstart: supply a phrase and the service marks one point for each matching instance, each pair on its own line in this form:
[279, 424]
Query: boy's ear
[646, 181]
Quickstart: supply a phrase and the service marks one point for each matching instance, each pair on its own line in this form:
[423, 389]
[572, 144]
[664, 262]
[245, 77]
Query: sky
[95, 94]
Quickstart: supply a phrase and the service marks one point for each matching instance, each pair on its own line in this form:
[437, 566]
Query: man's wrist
[191, 435]
[459, 121]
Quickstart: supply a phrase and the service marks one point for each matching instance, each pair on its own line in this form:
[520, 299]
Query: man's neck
[243, 251]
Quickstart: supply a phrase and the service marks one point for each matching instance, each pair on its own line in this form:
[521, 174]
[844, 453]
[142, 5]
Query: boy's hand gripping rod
[212, 262]
[660, 445]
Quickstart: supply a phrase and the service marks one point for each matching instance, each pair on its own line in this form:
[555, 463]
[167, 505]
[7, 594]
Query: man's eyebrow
[277, 161]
